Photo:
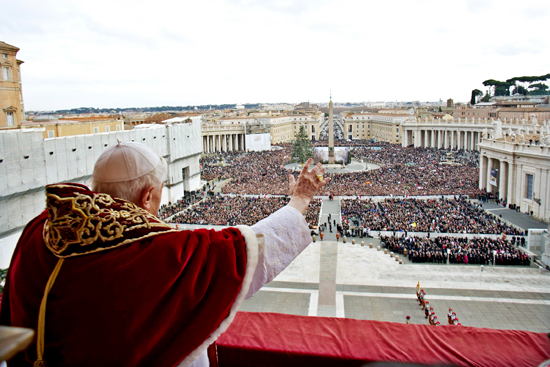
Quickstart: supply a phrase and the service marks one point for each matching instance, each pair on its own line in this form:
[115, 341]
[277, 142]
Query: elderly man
[106, 283]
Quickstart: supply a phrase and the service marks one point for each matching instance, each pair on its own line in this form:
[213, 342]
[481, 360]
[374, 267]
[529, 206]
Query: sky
[118, 53]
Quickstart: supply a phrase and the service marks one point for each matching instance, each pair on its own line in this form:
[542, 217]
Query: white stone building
[519, 172]
[28, 163]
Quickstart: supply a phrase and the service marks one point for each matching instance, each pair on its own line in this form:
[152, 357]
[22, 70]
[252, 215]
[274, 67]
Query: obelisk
[330, 133]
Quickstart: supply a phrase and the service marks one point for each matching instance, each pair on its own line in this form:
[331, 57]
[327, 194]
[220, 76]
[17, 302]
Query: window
[397, 130]
[10, 118]
[118, 128]
[96, 130]
[107, 129]
[50, 134]
[4, 56]
[6, 73]
[530, 187]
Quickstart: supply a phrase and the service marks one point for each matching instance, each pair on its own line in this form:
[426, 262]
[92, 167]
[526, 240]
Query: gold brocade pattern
[82, 222]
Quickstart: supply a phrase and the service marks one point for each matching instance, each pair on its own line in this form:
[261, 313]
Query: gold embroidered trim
[81, 222]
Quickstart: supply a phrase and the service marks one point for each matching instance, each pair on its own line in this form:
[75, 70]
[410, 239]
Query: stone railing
[517, 147]
[205, 128]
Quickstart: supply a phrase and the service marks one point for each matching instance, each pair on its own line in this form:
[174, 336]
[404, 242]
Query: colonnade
[502, 183]
[519, 173]
[443, 139]
[223, 143]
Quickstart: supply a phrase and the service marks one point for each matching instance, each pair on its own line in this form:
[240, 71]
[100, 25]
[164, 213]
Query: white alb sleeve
[281, 237]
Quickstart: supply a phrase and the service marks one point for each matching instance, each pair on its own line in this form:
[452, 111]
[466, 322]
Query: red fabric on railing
[270, 339]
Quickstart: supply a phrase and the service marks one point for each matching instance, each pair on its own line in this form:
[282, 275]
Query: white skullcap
[125, 162]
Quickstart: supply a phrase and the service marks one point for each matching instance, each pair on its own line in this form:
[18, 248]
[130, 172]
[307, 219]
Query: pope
[104, 282]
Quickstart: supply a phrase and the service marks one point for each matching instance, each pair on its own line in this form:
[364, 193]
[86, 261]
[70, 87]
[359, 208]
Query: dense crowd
[212, 165]
[167, 210]
[404, 171]
[477, 250]
[442, 215]
[234, 210]
[407, 171]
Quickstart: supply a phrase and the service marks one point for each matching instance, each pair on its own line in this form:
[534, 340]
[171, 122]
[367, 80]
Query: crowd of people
[407, 171]
[443, 215]
[404, 171]
[167, 210]
[234, 210]
[478, 250]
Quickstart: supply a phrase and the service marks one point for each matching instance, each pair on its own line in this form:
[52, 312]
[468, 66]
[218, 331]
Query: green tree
[486, 98]
[476, 93]
[302, 149]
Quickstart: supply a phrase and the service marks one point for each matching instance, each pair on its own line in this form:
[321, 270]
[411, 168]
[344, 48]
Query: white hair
[131, 190]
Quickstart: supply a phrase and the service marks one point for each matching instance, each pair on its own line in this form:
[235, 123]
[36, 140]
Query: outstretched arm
[284, 234]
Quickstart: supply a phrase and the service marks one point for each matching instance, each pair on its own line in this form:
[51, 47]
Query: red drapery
[269, 339]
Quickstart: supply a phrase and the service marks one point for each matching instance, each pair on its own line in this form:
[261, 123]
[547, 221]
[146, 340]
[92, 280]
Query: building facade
[461, 133]
[12, 111]
[70, 127]
[227, 134]
[519, 171]
[384, 127]
[223, 137]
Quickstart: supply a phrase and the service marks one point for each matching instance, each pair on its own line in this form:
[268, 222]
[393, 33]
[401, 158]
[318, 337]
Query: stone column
[489, 167]
[432, 143]
[425, 143]
[510, 185]
[224, 143]
[446, 139]
[503, 184]
[459, 140]
[482, 171]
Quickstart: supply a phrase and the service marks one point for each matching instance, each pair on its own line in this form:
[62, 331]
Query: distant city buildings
[76, 125]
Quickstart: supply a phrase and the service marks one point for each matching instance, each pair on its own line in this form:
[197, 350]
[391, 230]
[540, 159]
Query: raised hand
[308, 184]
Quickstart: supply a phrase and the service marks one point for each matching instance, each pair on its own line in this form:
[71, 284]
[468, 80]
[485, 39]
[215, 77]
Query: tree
[538, 89]
[302, 150]
[486, 98]
[476, 93]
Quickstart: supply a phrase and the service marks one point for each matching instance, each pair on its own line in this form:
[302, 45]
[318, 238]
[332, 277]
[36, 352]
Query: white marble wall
[28, 163]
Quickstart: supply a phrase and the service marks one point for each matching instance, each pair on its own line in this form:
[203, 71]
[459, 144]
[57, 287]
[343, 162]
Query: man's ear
[146, 197]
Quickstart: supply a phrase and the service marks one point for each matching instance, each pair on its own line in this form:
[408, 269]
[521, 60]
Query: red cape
[150, 302]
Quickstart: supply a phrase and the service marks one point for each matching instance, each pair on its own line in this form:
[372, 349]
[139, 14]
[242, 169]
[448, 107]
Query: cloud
[519, 48]
[131, 53]
[535, 12]
[479, 6]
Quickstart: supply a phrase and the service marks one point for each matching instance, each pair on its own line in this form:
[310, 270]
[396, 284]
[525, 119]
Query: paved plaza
[338, 279]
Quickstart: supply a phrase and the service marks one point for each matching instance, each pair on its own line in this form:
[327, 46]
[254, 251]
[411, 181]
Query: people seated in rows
[478, 250]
